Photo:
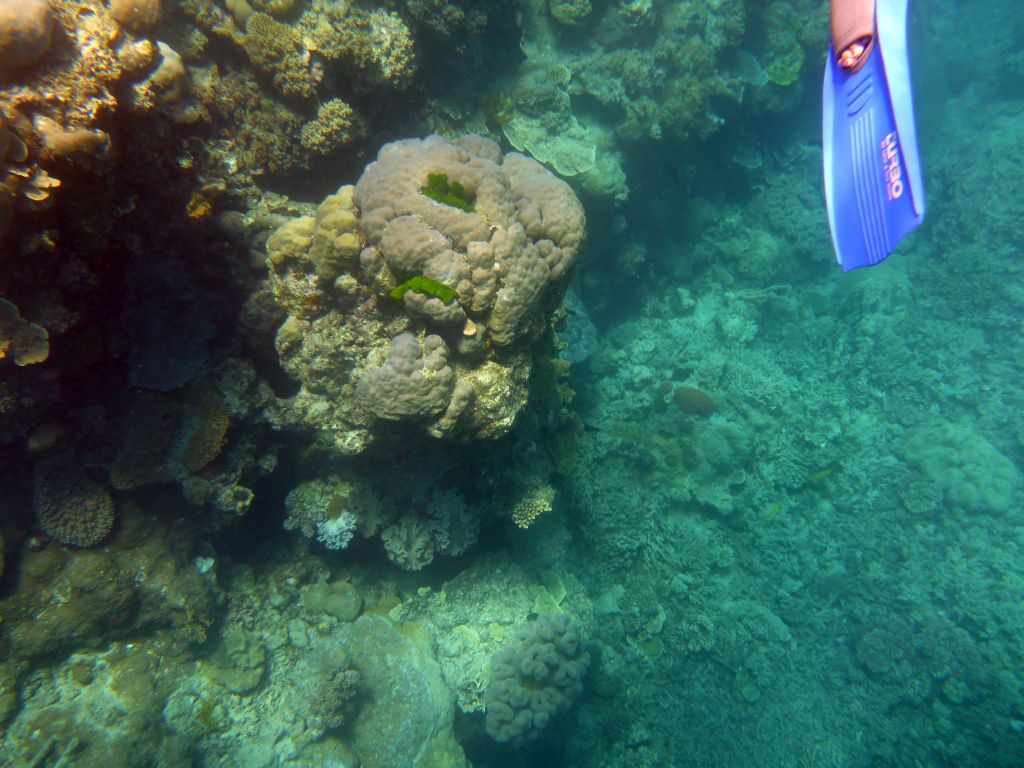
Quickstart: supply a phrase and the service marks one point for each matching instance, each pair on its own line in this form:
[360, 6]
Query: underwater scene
[473, 384]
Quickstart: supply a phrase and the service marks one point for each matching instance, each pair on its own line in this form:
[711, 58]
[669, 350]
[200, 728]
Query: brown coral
[137, 15]
[693, 401]
[376, 42]
[380, 43]
[74, 144]
[70, 507]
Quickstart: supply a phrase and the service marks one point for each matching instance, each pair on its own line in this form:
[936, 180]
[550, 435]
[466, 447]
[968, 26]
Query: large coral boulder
[422, 294]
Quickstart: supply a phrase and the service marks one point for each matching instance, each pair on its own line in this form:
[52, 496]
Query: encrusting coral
[138, 15]
[414, 381]
[168, 436]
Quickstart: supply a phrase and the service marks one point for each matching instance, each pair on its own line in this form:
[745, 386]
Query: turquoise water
[326, 482]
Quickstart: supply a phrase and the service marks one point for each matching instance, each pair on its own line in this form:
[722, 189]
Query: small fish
[772, 513]
[822, 475]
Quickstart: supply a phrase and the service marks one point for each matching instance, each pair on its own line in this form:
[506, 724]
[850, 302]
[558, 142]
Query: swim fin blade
[873, 187]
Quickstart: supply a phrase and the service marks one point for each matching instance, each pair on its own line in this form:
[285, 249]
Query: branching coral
[278, 51]
[376, 42]
[335, 126]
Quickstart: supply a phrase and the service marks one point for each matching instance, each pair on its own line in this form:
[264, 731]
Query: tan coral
[167, 86]
[38, 188]
[25, 31]
[22, 184]
[278, 8]
[306, 255]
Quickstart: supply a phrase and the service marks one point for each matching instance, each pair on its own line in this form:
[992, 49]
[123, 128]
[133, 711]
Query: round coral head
[693, 401]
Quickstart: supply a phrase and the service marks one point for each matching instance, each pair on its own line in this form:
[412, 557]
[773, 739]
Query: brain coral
[419, 294]
[71, 508]
[535, 679]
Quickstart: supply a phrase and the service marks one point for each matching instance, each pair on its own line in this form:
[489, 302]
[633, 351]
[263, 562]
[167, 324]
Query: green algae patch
[441, 191]
[426, 286]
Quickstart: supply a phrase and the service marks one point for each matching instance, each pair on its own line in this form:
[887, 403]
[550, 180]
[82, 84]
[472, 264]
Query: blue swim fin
[873, 187]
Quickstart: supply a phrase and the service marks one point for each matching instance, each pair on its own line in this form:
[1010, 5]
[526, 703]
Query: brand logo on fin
[892, 166]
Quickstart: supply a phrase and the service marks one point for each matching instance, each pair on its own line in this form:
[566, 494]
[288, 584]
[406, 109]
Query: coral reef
[324, 509]
[376, 43]
[783, 503]
[971, 471]
[409, 543]
[534, 503]
[136, 15]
